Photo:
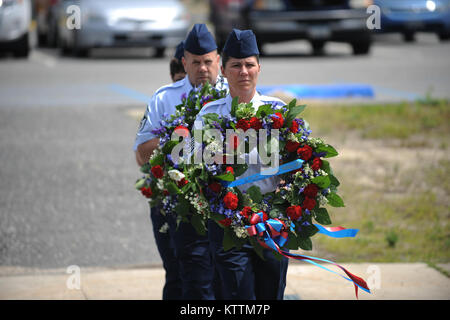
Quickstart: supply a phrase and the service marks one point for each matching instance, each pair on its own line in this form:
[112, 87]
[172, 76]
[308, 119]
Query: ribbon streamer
[273, 235]
[290, 166]
[337, 232]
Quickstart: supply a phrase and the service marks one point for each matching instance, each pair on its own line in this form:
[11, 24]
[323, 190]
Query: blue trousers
[243, 274]
[165, 243]
[195, 261]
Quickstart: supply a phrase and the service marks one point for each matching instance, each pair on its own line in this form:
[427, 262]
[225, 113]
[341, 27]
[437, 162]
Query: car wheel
[409, 37]
[445, 35]
[360, 48]
[317, 47]
[22, 47]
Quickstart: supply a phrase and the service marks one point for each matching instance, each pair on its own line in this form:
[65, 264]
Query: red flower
[255, 123]
[311, 190]
[225, 222]
[243, 124]
[246, 212]
[309, 203]
[305, 152]
[277, 120]
[146, 192]
[182, 131]
[157, 171]
[317, 164]
[215, 187]
[231, 201]
[292, 146]
[294, 212]
[294, 127]
[230, 169]
[182, 183]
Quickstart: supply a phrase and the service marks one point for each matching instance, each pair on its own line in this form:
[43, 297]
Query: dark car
[317, 21]
[411, 16]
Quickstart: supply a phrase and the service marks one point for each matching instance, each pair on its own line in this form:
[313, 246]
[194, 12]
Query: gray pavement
[388, 281]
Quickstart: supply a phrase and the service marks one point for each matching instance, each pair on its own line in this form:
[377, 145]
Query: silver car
[86, 24]
[15, 24]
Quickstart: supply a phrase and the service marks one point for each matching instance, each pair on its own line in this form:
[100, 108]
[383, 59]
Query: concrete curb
[388, 281]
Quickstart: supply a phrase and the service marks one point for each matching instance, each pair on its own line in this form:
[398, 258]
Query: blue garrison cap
[200, 41]
[241, 44]
[179, 51]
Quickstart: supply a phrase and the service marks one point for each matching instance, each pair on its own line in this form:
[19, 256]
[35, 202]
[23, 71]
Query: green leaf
[255, 194]
[139, 184]
[169, 146]
[226, 177]
[326, 167]
[146, 168]
[172, 188]
[210, 117]
[292, 243]
[278, 199]
[182, 207]
[234, 104]
[293, 112]
[305, 243]
[274, 213]
[158, 160]
[321, 215]
[334, 181]
[334, 200]
[228, 241]
[321, 181]
[264, 110]
[257, 247]
[199, 224]
[330, 151]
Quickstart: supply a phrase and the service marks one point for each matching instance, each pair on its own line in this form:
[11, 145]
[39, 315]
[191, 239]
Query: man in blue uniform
[243, 274]
[185, 254]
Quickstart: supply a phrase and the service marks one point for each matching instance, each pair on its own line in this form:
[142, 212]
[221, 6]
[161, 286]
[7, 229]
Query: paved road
[66, 164]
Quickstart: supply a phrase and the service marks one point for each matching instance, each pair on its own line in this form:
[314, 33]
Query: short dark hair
[176, 66]
[226, 57]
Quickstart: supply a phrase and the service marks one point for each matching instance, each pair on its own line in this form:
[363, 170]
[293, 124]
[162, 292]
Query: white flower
[164, 228]
[176, 175]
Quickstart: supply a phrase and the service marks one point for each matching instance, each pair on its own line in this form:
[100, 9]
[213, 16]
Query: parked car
[118, 23]
[411, 16]
[15, 24]
[317, 21]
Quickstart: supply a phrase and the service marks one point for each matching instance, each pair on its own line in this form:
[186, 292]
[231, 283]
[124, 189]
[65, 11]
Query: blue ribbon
[290, 166]
[345, 233]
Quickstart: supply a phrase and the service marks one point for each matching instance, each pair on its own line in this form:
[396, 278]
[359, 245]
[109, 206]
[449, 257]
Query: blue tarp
[322, 91]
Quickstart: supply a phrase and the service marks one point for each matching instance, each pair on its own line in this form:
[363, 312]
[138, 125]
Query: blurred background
[75, 77]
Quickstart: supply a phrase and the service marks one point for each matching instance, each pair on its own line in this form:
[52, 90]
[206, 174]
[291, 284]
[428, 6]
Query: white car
[86, 24]
[15, 22]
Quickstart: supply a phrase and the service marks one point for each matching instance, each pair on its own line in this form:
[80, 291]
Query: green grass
[403, 213]
[391, 121]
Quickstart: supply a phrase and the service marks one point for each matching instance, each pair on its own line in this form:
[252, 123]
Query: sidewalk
[396, 281]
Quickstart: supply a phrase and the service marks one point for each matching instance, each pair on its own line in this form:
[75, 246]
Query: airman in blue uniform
[185, 254]
[243, 274]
